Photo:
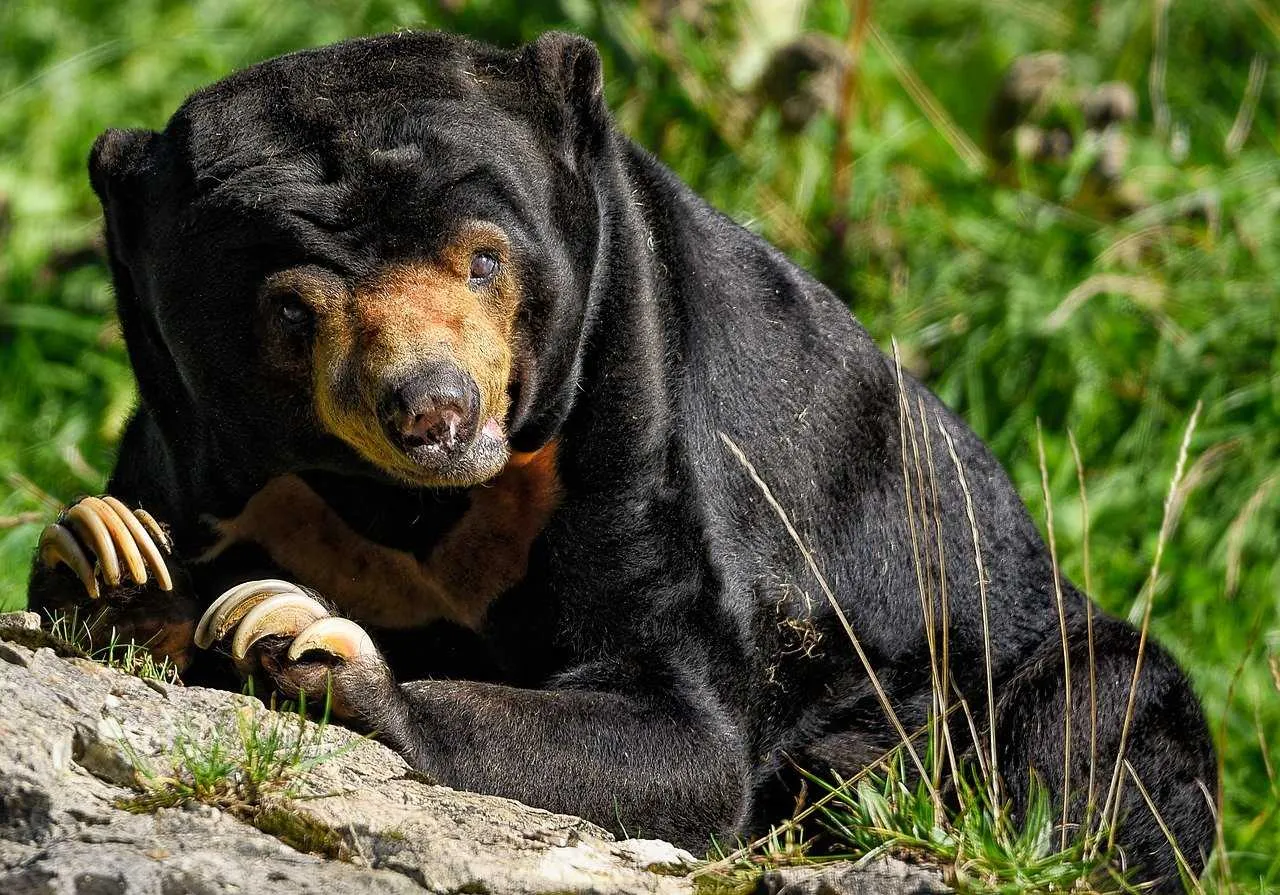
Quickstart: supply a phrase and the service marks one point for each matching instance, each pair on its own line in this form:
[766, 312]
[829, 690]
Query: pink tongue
[493, 429]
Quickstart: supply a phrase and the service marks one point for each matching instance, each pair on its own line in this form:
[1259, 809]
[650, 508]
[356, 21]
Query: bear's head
[372, 258]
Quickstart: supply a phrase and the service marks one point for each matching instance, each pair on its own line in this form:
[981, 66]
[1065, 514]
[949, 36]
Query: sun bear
[455, 401]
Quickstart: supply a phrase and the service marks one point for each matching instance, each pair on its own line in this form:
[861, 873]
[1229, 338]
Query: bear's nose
[437, 406]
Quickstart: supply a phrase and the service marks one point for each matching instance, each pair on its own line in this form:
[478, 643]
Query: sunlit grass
[254, 769]
[108, 648]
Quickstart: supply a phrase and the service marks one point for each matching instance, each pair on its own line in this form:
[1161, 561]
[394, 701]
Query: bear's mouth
[435, 417]
[445, 452]
[451, 458]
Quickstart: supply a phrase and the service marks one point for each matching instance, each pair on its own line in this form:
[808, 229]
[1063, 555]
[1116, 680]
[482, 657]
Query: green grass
[1019, 293]
[253, 769]
[981, 849]
[107, 648]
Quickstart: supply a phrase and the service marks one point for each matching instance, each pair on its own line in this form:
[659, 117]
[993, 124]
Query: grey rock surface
[75, 734]
[887, 876]
[26, 621]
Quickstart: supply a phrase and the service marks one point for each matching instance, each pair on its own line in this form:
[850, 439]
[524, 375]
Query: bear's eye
[484, 267]
[293, 312]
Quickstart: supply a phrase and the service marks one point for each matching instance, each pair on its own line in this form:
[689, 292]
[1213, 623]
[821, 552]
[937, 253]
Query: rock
[15, 654]
[80, 743]
[654, 853]
[885, 876]
[28, 621]
[74, 733]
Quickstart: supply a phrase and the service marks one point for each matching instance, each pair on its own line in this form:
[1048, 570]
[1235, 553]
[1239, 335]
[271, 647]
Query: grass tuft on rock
[83, 639]
[254, 773]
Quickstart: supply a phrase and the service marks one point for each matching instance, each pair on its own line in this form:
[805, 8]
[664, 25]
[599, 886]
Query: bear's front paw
[277, 627]
[100, 537]
[111, 572]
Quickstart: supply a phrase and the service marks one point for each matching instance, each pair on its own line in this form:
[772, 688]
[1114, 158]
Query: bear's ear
[119, 164]
[115, 161]
[566, 71]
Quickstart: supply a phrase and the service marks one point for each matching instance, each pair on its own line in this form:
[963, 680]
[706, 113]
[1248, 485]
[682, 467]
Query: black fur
[669, 651]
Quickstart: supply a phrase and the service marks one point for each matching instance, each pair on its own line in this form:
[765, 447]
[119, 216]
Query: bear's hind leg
[1168, 745]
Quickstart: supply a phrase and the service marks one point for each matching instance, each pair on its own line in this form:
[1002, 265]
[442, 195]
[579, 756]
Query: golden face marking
[411, 315]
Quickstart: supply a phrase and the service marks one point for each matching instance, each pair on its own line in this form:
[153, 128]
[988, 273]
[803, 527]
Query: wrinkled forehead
[390, 140]
[338, 91]
[379, 145]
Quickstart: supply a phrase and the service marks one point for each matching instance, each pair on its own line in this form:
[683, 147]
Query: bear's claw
[339, 637]
[284, 615]
[145, 532]
[150, 523]
[113, 533]
[272, 607]
[236, 602]
[59, 545]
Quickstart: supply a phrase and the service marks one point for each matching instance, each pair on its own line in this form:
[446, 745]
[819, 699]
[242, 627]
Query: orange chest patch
[485, 554]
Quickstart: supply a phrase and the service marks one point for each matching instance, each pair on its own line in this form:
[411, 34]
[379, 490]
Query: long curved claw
[339, 637]
[228, 609]
[58, 544]
[282, 614]
[157, 530]
[144, 542]
[121, 536]
[89, 525]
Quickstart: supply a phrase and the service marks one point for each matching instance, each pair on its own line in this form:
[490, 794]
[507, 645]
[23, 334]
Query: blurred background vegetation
[1063, 211]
